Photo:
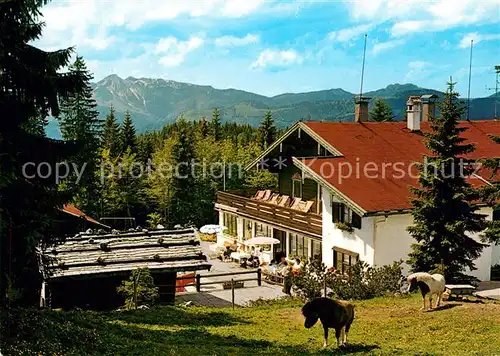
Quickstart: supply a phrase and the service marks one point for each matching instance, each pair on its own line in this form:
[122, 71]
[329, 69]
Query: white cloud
[174, 51]
[384, 46]
[87, 24]
[411, 16]
[232, 41]
[347, 34]
[465, 42]
[274, 58]
[417, 70]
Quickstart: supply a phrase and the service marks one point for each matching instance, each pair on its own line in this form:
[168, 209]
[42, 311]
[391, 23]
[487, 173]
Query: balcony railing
[286, 218]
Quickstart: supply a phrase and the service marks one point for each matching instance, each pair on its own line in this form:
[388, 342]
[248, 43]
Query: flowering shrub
[360, 282]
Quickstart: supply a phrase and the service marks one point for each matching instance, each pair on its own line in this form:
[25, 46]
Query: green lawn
[382, 326]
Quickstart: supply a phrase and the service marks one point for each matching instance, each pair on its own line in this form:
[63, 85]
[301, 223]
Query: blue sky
[272, 47]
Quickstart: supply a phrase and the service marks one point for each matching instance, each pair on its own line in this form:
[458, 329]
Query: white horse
[429, 284]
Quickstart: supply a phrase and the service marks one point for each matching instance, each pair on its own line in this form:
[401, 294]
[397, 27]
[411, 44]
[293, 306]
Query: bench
[459, 289]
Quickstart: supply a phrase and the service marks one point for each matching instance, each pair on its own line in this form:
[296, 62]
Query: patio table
[239, 255]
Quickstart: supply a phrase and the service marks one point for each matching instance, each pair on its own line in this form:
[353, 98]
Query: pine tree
[203, 127]
[267, 131]
[111, 134]
[381, 111]
[215, 125]
[145, 147]
[128, 134]
[183, 183]
[80, 122]
[31, 85]
[442, 208]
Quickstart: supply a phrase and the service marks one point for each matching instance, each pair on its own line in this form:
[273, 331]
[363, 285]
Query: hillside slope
[155, 102]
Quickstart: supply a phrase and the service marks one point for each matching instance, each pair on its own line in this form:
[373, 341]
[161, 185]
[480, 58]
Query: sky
[273, 47]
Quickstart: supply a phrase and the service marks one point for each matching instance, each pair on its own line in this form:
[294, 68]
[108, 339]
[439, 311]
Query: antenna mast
[363, 69]
[470, 71]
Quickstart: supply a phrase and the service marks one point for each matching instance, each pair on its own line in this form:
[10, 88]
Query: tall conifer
[442, 208]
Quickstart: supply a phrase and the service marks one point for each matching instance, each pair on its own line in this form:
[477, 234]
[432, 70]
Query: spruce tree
[128, 137]
[31, 85]
[203, 127]
[381, 111]
[267, 131]
[442, 208]
[215, 125]
[111, 134]
[80, 122]
[183, 186]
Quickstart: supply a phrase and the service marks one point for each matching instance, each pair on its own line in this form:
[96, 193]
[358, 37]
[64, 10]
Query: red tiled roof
[382, 145]
[73, 210]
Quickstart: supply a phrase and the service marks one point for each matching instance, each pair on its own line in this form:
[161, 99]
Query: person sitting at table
[234, 246]
[296, 267]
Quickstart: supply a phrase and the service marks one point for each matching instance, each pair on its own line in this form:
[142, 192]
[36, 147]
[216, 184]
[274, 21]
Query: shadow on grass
[444, 307]
[135, 340]
[176, 316]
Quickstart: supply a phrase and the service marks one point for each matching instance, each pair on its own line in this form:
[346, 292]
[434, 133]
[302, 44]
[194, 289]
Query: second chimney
[428, 106]
[414, 113]
[361, 109]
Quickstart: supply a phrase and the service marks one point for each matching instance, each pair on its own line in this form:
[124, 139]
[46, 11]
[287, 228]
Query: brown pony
[334, 314]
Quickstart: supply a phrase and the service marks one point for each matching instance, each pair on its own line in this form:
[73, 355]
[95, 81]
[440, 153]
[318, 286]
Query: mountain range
[153, 103]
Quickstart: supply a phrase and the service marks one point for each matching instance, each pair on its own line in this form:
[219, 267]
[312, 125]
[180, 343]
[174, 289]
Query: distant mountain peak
[153, 102]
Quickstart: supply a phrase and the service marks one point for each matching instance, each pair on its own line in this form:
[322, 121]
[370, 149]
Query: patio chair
[259, 195]
[295, 203]
[283, 200]
[274, 198]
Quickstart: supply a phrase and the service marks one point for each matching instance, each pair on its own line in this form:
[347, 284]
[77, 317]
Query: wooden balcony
[280, 217]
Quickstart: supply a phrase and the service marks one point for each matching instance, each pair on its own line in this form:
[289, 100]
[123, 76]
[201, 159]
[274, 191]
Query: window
[247, 227]
[344, 259]
[316, 250]
[262, 230]
[296, 188]
[230, 221]
[342, 213]
[299, 246]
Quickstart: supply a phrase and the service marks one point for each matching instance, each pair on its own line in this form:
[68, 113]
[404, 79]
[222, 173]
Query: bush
[139, 289]
[361, 282]
[310, 283]
[365, 282]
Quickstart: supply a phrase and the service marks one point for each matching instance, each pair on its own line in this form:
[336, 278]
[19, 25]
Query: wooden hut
[86, 269]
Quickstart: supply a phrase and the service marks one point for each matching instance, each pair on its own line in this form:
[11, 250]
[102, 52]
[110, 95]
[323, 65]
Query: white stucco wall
[495, 255]
[360, 241]
[393, 242]
[383, 240]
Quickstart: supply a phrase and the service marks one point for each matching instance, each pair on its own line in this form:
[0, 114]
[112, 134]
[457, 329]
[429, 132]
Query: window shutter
[356, 220]
[335, 212]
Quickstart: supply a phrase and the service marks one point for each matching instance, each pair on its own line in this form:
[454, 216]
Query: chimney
[361, 109]
[414, 112]
[428, 106]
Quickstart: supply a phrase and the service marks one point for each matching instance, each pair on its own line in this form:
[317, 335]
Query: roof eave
[298, 125]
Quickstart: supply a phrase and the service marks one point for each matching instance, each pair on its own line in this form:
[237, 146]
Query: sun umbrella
[212, 229]
[262, 240]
